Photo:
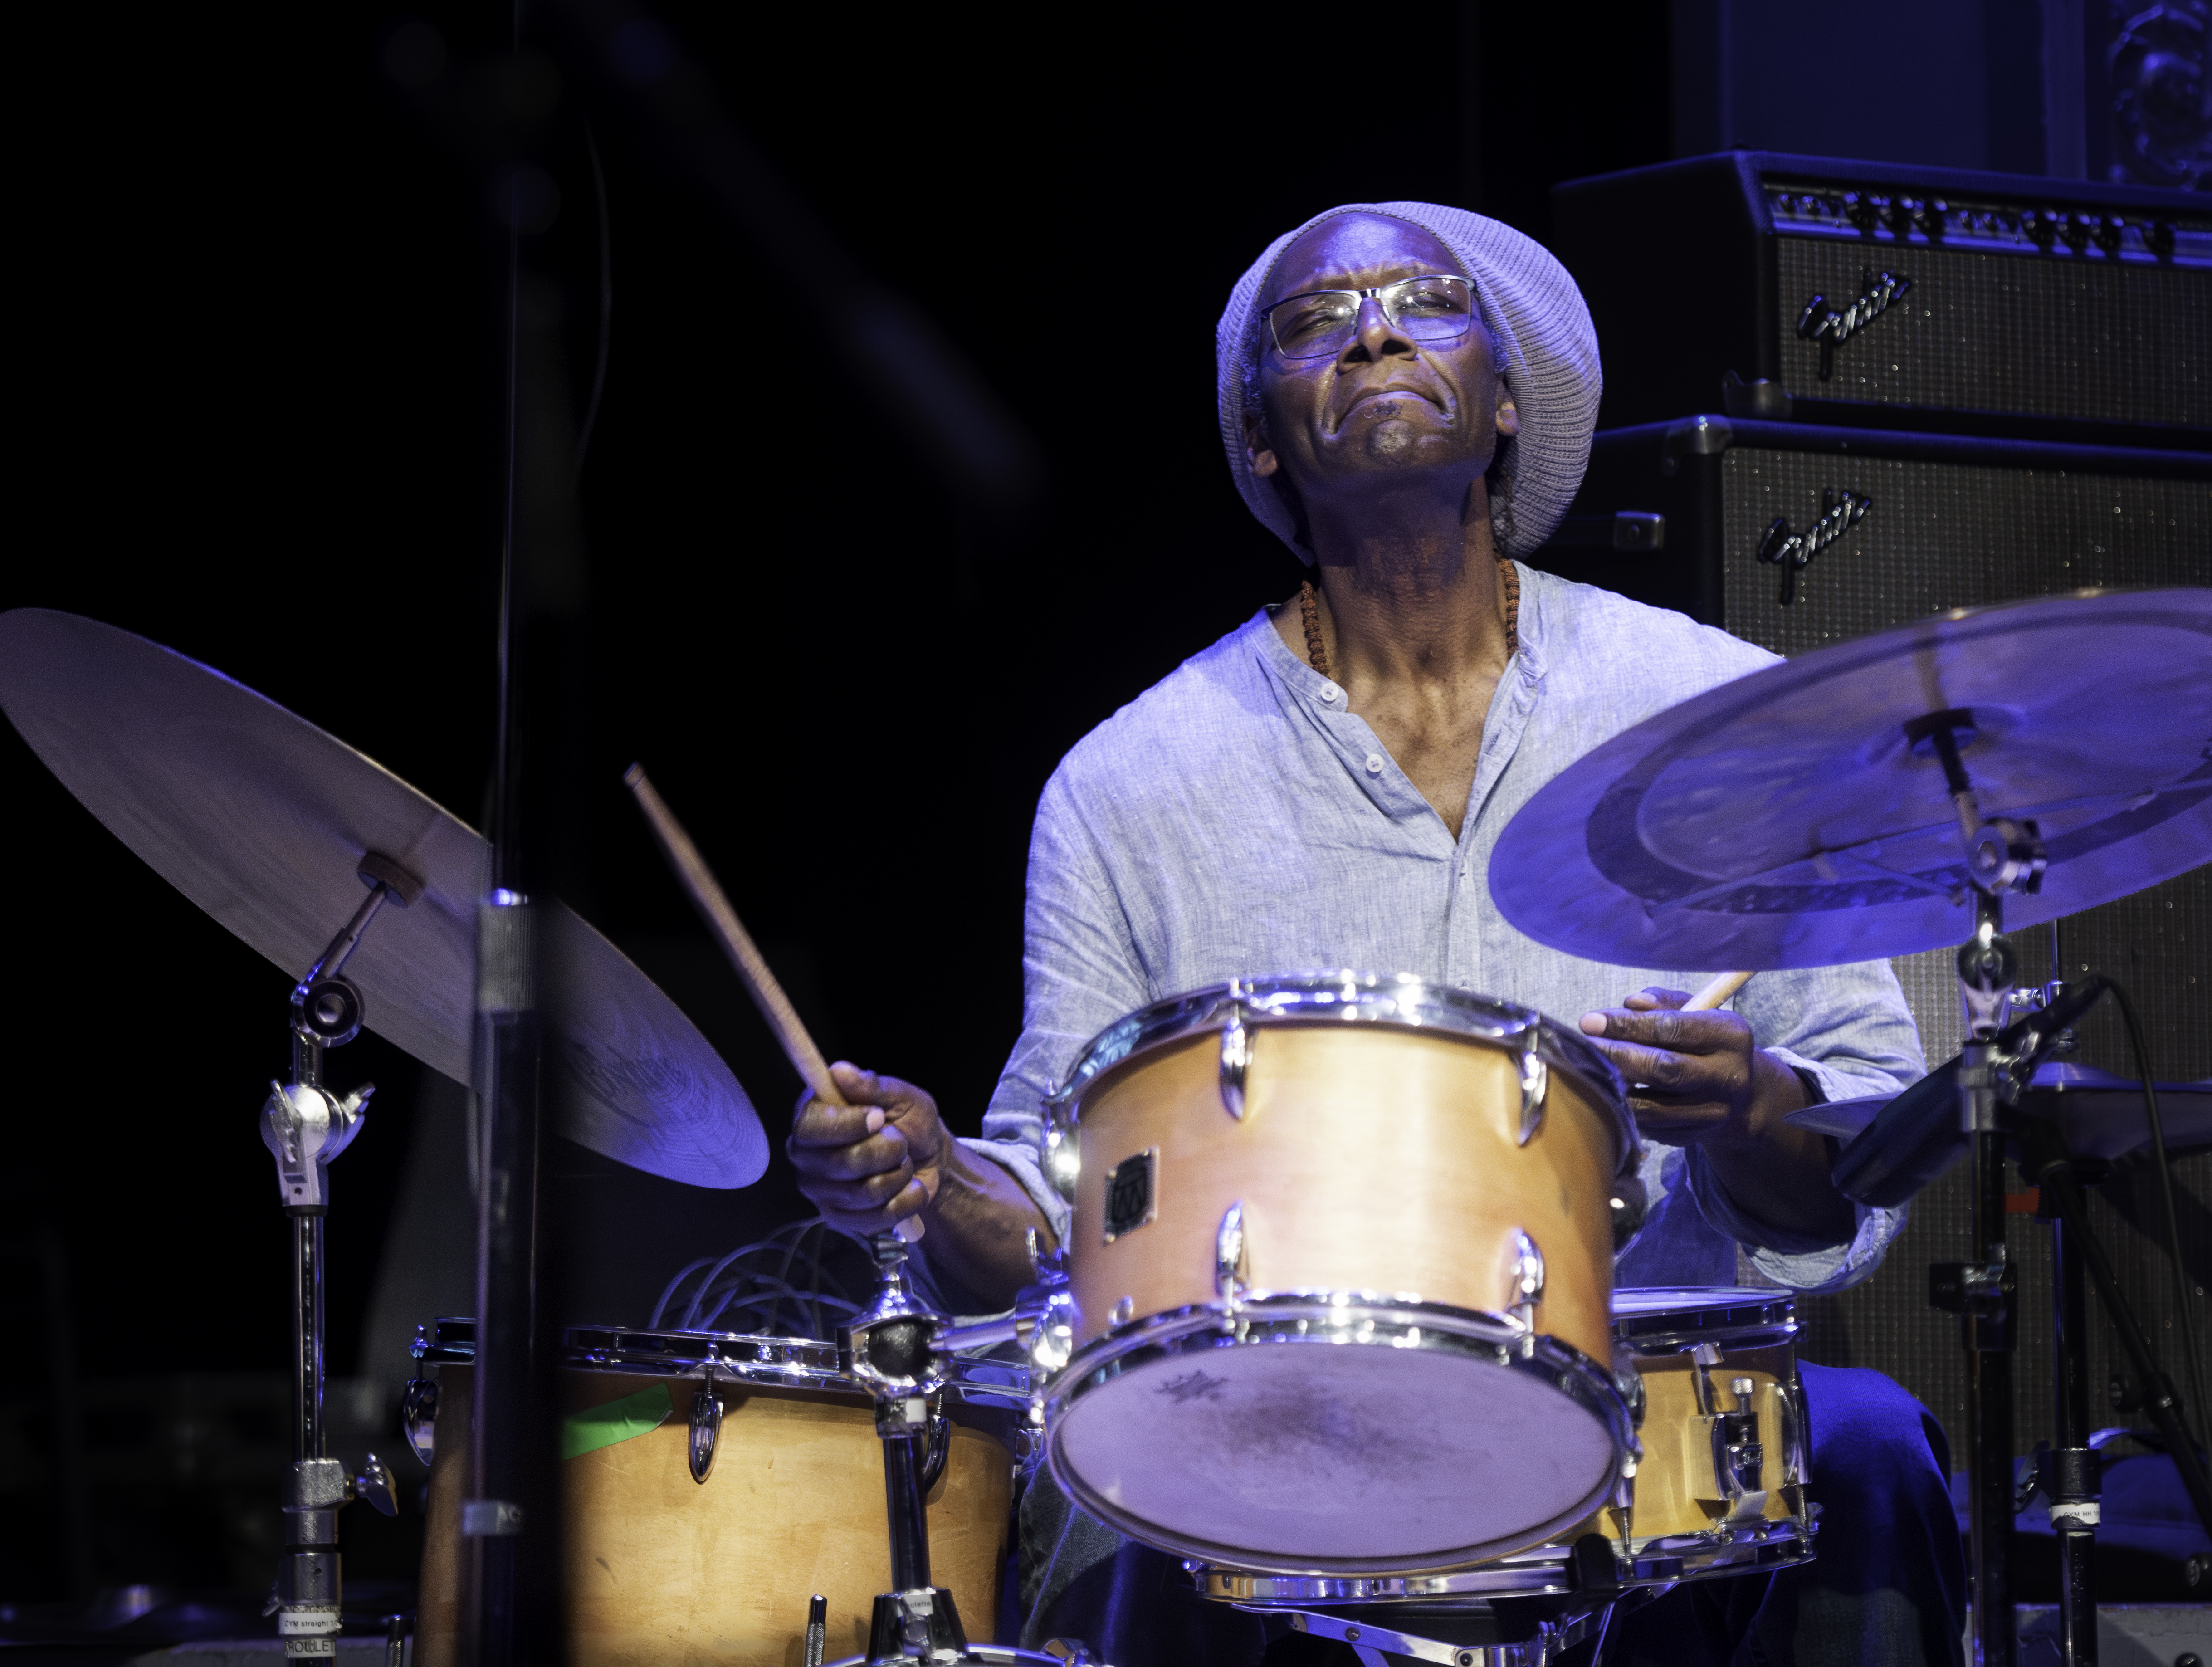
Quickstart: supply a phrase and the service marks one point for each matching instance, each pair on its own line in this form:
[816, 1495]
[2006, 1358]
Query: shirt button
[1329, 691]
[1374, 763]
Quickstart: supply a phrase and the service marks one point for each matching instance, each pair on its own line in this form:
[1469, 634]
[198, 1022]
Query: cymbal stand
[306, 1125]
[2003, 856]
[2068, 1475]
[1987, 1282]
[903, 1353]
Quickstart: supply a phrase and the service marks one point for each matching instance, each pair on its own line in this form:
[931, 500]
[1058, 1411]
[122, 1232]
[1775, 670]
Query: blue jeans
[1889, 1585]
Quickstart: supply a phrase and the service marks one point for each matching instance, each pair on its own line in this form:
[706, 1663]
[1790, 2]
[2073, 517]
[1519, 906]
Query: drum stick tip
[633, 775]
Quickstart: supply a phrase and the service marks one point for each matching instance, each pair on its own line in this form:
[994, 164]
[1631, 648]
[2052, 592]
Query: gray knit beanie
[1548, 349]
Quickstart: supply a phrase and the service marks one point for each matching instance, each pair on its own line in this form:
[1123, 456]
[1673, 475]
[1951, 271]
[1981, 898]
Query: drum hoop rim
[1192, 1328]
[821, 1365]
[1741, 1317]
[1174, 1017]
[1698, 1552]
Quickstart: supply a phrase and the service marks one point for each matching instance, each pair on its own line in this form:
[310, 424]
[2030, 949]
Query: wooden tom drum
[1719, 1491]
[1341, 1265]
[658, 1568]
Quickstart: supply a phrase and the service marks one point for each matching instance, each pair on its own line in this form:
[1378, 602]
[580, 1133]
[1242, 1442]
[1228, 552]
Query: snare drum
[1727, 1446]
[1339, 1267]
[659, 1568]
[1718, 1491]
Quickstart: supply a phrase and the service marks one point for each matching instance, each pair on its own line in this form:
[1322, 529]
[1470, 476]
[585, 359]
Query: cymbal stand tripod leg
[306, 1125]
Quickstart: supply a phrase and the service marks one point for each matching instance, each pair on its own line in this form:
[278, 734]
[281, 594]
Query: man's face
[1385, 407]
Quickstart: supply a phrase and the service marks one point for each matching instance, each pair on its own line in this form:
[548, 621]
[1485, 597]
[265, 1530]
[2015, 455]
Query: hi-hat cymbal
[261, 819]
[1787, 819]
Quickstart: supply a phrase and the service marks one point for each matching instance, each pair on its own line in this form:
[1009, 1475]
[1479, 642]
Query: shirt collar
[1528, 661]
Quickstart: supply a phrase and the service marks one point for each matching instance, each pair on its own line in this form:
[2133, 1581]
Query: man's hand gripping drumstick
[871, 1151]
[1697, 1077]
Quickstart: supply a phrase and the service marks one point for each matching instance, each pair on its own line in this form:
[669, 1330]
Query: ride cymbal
[264, 821]
[1800, 816]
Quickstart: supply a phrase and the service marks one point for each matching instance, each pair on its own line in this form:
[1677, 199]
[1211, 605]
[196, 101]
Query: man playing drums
[1406, 396]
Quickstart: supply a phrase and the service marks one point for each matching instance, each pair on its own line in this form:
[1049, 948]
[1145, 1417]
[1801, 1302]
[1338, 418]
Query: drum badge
[1131, 1199]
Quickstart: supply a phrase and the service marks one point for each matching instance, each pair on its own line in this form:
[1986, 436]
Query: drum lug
[1051, 1342]
[1797, 1462]
[1631, 1204]
[1628, 1384]
[1236, 1061]
[1525, 1278]
[1232, 1258]
[1048, 1268]
[418, 1416]
[1705, 1357]
[1535, 1081]
[1063, 1158]
[1738, 1454]
[706, 1424]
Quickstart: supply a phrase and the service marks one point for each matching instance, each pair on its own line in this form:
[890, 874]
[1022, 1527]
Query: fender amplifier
[1795, 536]
[1872, 293]
[1792, 535]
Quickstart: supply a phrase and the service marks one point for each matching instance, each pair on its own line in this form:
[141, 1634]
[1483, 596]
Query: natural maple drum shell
[1370, 1158]
[1676, 1490]
[659, 1569]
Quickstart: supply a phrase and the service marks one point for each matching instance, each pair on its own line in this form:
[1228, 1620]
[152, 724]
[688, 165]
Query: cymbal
[2099, 1114]
[261, 819]
[1786, 819]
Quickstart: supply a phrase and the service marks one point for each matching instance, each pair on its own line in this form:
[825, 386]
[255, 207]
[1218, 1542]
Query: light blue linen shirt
[1235, 820]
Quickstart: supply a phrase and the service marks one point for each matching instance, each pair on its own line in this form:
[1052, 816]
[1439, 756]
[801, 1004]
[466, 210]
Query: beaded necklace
[1509, 577]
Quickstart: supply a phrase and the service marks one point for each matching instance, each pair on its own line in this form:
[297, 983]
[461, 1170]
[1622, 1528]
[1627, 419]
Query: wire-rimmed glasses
[1320, 324]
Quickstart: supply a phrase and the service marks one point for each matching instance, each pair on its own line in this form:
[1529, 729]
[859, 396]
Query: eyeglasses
[1321, 324]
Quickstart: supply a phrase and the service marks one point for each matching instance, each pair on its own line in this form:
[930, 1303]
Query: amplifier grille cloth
[2036, 335]
[1945, 535]
[1941, 536]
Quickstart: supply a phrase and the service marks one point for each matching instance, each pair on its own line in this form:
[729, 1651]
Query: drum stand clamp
[901, 1353]
[306, 1125]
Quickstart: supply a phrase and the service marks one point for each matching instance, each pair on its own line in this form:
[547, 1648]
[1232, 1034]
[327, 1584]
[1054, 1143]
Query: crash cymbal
[1789, 819]
[264, 820]
[2099, 1114]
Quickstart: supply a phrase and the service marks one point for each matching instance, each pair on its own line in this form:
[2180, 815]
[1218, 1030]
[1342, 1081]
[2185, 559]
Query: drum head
[1334, 1459]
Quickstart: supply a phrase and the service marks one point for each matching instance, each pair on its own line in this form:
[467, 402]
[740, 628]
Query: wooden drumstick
[1716, 992]
[744, 955]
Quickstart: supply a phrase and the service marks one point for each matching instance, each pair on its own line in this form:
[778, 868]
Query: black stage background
[257, 365]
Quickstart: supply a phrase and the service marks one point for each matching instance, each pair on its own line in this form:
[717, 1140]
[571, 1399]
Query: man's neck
[1410, 596]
